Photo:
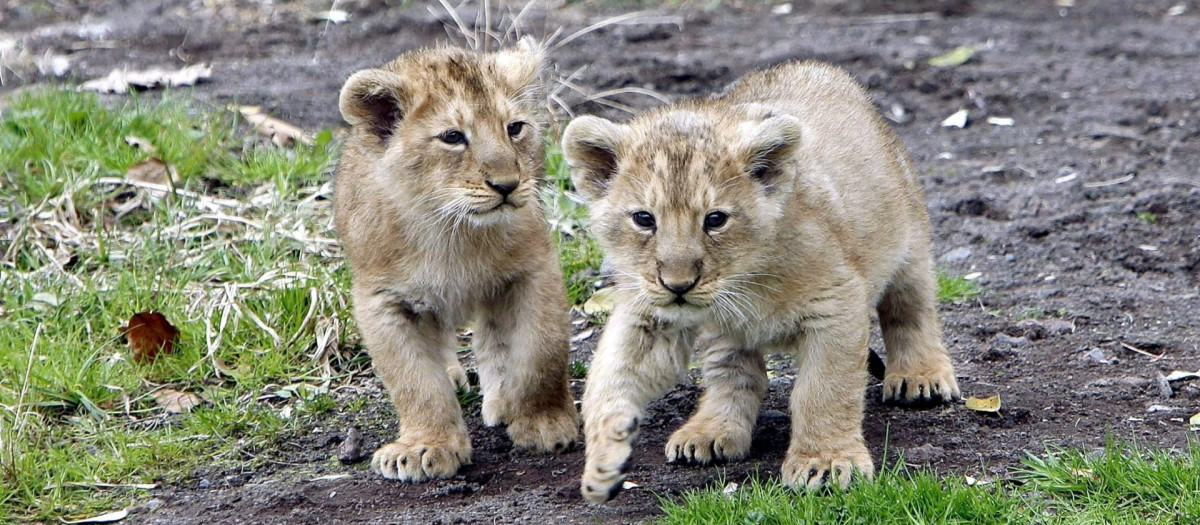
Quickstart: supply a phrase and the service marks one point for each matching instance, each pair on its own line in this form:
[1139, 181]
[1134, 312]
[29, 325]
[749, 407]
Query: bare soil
[1082, 221]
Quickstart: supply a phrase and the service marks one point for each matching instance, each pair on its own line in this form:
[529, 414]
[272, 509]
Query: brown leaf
[152, 170]
[174, 401]
[280, 132]
[149, 333]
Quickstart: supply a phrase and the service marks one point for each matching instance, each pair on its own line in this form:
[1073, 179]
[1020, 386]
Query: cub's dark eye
[515, 128]
[643, 219]
[453, 137]
[715, 220]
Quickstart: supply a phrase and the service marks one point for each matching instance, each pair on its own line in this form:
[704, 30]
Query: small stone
[771, 416]
[957, 254]
[782, 382]
[1164, 387]
[147, 506]
[923, 454]
[205, 484]
[1098, 356]
[1008, 257]
[350, 450]
[1003, 338]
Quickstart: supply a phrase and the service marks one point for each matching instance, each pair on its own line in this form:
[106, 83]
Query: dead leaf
[986, 404]
[1179, 375]
[152, 170]
[120, 81]
[149, 333]
[956, 57]
[140, 143]
[1194, 422]
[629, 485]
[280, 132]
[103, 518]
[176, 402]
[601, 301]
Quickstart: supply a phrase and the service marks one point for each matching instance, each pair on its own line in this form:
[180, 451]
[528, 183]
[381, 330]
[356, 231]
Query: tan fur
[825, 223]
[434, 245]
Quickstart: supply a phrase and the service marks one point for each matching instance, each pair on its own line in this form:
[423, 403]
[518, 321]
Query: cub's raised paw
[420, 461]
[552, 431]
[609, 447]
[921, 385]
[811, 470]
[703, 442]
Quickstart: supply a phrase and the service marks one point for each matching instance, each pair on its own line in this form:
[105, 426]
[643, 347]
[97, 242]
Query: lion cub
[437, 209]
[775, 217]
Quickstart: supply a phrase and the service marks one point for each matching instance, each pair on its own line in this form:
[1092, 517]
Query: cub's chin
[496, 215]
[683, 315]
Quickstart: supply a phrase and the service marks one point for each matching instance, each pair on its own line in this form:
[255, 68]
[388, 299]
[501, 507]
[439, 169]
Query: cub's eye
[453, 137]
[515, 128]
[643, 219]
[715, 220]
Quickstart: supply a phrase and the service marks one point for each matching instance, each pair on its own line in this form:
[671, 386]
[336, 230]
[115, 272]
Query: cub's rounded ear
[590, 149]
[521, 65]
[373, 98]
[766, 147]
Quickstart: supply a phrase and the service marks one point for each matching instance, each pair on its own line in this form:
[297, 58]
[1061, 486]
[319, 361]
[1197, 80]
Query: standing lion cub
[437, 209]
[773, 218]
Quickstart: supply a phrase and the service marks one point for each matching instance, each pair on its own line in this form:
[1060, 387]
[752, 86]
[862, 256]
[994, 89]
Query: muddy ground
[1082, 220]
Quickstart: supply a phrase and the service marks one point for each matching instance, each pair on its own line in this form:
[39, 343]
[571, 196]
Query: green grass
[1123, 485]
[1147, 217]
[241, 259]
[236, 260]
[953, 289]
[579, 254]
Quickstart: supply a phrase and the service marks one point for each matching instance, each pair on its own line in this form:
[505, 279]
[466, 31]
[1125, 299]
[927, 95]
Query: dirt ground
[1081, 220]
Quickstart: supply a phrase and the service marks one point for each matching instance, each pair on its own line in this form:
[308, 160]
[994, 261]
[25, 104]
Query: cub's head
[686, 202]
[450, 133]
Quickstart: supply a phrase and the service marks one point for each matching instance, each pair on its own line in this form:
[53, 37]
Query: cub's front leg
[633, 364]
[827, 401]
[407, 346]
[522, 346]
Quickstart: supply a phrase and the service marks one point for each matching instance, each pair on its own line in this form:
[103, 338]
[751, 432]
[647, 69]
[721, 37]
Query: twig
[167, 190]
[869, 20]
[1113, 182]
[1153, 357]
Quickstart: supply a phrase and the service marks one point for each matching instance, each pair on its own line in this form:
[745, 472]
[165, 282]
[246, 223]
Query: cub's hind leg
[735, 382]
[521, 348]
[407, 352]
[918, 367]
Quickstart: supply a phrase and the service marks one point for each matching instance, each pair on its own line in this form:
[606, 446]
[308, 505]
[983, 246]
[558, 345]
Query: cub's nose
[503, 187]
[678, 287]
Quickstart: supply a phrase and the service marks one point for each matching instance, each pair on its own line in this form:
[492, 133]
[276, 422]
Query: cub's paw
[814, 469]
[551, 431]
[609, 447]
[417, 460]
[920, 385]
[706, 441]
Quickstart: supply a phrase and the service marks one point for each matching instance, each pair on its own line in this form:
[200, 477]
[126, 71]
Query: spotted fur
[441, 232]
[819, 220]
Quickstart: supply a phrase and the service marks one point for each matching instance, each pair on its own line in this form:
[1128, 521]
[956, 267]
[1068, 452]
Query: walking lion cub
[437, 209]
[773, 218]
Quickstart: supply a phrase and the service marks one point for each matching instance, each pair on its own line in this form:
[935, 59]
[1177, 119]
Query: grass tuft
[951, 289]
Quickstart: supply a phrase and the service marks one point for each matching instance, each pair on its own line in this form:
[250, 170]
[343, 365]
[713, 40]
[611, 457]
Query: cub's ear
[521, 65]
[766, 147]
[590, 149]
[373, 98]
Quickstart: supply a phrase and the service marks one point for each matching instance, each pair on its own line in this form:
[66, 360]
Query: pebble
[350, 450]
[147, 506]
[1003, 338]
[1098, 356]
[957, 254]
[205, 484]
